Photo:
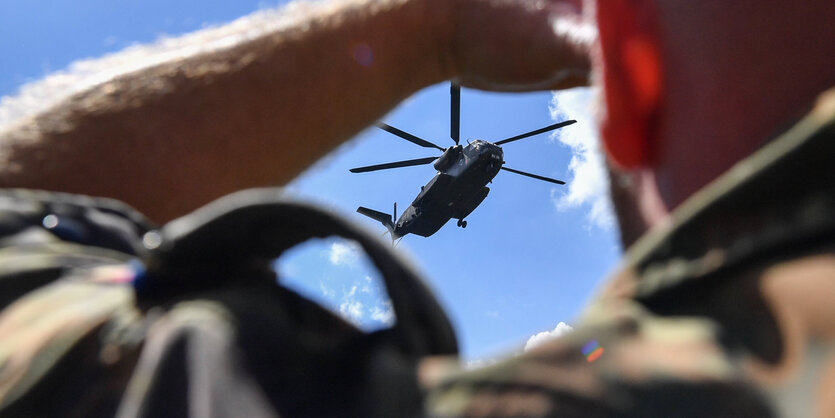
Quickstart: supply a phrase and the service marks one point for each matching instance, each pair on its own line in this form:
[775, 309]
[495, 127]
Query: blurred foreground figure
[719, 128]
[717, 123]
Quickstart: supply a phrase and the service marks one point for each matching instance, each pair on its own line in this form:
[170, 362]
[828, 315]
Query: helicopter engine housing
[448, 158]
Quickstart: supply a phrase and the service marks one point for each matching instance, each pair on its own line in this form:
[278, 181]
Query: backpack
[105, 315]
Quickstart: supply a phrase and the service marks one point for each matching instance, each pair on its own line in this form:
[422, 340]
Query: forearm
[176, 135]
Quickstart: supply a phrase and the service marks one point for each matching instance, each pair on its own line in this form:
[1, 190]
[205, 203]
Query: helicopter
[460, 183]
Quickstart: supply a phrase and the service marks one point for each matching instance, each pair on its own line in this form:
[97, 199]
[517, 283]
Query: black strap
[256, 226]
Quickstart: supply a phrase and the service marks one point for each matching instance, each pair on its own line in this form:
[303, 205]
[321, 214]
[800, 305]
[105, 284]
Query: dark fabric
[117, 318]
[36, 226]
[103, 315]
[692, 325]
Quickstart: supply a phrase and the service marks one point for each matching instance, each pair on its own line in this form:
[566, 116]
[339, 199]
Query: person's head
[692, 87]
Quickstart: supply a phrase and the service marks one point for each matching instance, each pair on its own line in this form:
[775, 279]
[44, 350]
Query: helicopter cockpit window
[475, 148]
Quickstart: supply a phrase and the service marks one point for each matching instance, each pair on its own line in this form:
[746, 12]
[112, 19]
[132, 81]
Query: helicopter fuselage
[460, 183]
[457, 188]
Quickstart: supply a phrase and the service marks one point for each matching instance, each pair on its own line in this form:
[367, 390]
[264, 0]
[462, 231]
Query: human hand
[519, 45]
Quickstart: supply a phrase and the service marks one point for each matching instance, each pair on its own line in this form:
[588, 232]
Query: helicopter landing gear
[462, 223]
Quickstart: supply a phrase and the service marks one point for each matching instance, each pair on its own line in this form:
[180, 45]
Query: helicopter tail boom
[383, 218]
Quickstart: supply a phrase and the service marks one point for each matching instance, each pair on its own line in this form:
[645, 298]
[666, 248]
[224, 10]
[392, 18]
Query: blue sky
[532, 253]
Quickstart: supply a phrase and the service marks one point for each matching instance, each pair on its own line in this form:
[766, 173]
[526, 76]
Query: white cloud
[384, 314]
[545, 336]
[366, 287]
[344, 253]
[355, 311]
[588, 183]
[326, 291]
[350, 308]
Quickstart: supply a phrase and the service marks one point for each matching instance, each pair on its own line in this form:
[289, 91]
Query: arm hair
[171, 126]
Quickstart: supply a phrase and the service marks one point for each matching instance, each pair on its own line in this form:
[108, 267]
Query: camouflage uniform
[103, 314]
[727, 311]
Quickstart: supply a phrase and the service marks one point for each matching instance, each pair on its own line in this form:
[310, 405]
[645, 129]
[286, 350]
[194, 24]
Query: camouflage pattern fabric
[62, 296]
[728, 311]
[105, 315]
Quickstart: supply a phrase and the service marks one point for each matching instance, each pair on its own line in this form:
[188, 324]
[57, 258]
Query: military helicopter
[459, 185]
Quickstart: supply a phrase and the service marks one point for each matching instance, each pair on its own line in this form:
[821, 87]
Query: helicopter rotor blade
[407, 136]
[537, 132]
[396, 164]
[455, 112]
[548, 179]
